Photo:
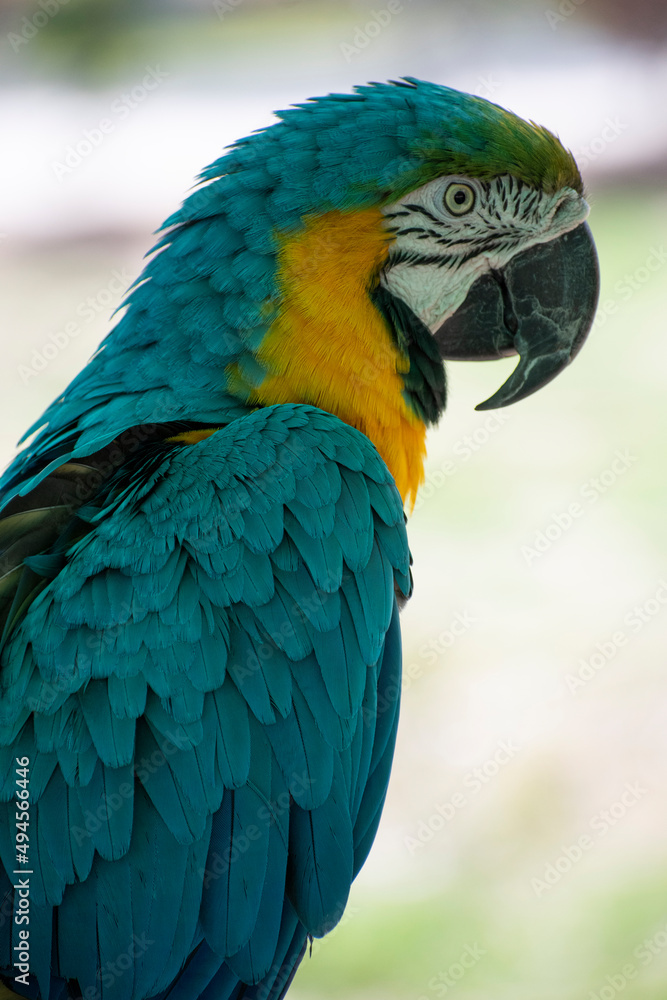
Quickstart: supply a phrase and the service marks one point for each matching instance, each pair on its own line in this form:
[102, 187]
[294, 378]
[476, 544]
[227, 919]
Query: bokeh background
[523, 852]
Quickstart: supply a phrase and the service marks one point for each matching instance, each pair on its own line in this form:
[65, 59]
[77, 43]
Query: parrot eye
[459, 199]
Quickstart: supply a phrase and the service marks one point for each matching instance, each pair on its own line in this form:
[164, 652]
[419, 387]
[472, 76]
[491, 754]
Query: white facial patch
[437, 255]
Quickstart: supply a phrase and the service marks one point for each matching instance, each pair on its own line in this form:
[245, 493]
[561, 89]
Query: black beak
[540, 306]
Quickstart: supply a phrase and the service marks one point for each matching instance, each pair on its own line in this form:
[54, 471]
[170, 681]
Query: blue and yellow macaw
[204, 545]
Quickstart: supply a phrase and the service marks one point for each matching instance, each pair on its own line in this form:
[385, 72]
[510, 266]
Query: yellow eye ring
[459, 198]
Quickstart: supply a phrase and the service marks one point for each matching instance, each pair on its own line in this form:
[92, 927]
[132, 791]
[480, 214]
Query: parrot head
[338, 258]
[389, 230]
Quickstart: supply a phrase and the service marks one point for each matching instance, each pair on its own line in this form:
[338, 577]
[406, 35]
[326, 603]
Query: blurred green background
[522, 853]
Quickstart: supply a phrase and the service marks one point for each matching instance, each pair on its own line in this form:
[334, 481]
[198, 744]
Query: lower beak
[540, 306]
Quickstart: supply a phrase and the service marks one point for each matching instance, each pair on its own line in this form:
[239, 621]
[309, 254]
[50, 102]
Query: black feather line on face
[425, 383]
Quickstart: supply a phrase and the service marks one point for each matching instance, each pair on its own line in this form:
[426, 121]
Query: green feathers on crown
[483, 140]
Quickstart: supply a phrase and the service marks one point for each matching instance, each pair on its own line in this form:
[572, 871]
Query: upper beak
[540, 306]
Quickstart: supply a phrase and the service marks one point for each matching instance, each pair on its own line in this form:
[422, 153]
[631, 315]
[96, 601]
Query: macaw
[204, 549]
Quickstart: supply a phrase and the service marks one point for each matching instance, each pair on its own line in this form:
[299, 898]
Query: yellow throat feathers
[331, 348]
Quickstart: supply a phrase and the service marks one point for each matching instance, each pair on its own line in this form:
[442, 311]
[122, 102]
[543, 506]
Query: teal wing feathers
[206, 683]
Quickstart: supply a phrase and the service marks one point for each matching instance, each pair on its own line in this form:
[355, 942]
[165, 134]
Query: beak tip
[488, 404]
[498, 400]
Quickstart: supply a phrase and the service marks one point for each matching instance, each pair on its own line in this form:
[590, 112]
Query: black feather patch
[425, 383]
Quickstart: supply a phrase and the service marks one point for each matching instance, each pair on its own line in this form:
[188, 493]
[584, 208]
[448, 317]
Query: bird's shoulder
[281, 477]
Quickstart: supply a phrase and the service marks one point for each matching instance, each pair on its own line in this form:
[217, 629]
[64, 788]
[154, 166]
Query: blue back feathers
[223, 627]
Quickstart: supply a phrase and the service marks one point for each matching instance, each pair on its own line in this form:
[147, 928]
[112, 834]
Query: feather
[263, 531]
[155, 901]
[113, 737]
[115, 929]
[305, 758]
[252, 962]
[81, 840]
[321, 859]
[127, 696]
[281, 620]
[77, 944]
[318, 522]
[246, 668]
[288, 955]
[237, 859]
[389, 689]
[200, 969]
[107, 806]
[354, 522]
[233, 733]
[386, 502]
[323, 556]
[165, 792]
[341, 662]
[319, 607]
[54, 833]
[336, 728]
